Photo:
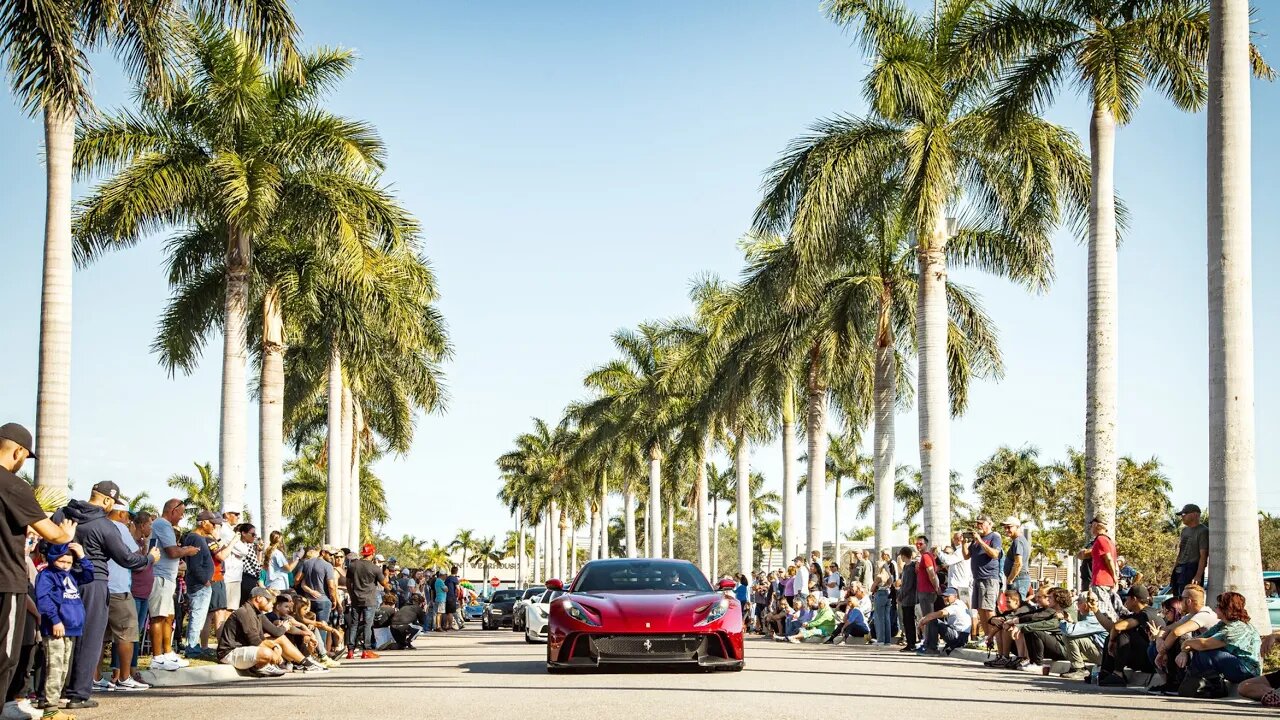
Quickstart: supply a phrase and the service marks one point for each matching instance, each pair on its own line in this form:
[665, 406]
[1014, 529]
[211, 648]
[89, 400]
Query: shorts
[218, 600]
[160, 604]
[122, 617]
[242, 658]
[986, 594]
[233, 595]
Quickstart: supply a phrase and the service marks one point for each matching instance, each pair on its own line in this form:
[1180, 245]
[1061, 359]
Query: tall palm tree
[720, 488]
[1112, 50]
[1007, 184]
[845, 462]
[306, 497]
[467, 542]
[1016, 480]
[201, 492]
[1234, 554]
[141, 502]
[489, 552]
[909, 492]
[46, 48]
[234, 138]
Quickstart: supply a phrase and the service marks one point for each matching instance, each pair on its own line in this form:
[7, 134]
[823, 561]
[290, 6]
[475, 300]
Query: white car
[535, 616]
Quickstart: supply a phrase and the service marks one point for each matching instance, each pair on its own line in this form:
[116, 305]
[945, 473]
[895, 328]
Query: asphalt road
[478, 674]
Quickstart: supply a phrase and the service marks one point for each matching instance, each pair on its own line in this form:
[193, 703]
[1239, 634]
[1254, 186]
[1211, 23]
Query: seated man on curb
[408, 621]
[1000, 628]
[1196, 618]
[1128, 639]
[297, 633]
[855, 619]
[820, 627]
[951, 624]
[243, 641]
[1035, 633]
[1083, 640]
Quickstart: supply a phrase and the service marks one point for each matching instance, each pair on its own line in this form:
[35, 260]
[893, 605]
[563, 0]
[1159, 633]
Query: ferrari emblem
[646, 625]
[648, 645]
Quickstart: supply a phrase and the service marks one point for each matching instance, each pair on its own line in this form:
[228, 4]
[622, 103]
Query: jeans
[882, 617]
[1130, 651]
[1207, 663]
[909, 624]
[199, 600]
[141, 604]
[360, 628]
[1023, 585]
[1182, 576]
[938, 630]
[405, 634]
[322, 607]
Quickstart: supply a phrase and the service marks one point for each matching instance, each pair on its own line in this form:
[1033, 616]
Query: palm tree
[437, 556]
[768, 535]
[467, 542]
[762, 504]
[141, 502]
[489, 552]
[1006, 183]
[720, 487]
[306, 497]
[201, 492]
[909, 492]
[1234, 547]
[46, 48]
[1014, 482]
[235, 138]
[1113, 50]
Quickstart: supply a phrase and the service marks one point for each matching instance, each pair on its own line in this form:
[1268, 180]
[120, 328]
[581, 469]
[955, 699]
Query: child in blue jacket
[61, 615]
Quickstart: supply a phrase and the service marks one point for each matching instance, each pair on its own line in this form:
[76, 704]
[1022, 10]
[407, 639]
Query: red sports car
[633, 611]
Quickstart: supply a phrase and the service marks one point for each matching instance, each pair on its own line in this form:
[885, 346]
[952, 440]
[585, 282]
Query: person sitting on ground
[1129, 575]
[855, 619]
[251, 645]
[1082, 640]
[951, 624]
[382, 616]
[1036, 633]
[298, 633]
[820, 627]
[801, 613]
[1128, 639]
[775, 620]
[1196, 618]
[1000, 629]
[1230, 651]
[407, 622]
[303, 614]
[1263, 688]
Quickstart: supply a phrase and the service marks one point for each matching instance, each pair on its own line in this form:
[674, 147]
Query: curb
[203, 675]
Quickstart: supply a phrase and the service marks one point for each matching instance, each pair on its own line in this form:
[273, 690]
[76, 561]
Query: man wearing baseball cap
[18, 510]
[101, 542]
[1193, 550]
[365, 583]
[319, 584]
[951, 624]
[199, 577]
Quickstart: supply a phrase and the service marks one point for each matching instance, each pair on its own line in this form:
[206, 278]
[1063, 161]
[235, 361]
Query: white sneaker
[20, 710]
[104, 685]
[161, 663]
[132, 685]
[177, 659]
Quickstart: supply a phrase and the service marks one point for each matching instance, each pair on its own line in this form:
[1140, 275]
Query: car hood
[656, 608]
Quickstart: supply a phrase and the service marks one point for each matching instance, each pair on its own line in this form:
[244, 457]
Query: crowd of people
[977, 592]
[93, 577]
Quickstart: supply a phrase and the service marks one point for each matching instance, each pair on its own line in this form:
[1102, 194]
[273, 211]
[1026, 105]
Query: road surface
[476, 673]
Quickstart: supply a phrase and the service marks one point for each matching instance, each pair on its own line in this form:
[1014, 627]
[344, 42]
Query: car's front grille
[647, 645]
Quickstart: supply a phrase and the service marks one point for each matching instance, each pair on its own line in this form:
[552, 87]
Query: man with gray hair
[983, 552]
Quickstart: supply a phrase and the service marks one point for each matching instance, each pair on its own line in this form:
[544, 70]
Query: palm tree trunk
[700, 506]
[334, 493]
[537, 553]
[835, 519]
[655, 502]
[520, 538]
[593, 539]
[604, 515]
[353, 482]
[554, 537]
[629, 516]
[715, 538]
[790, 529]
[572, 567]
[816, 429]
[935, 400]
[53, 394]
[1102, 374]
[1234, 556]
[271, 414]
[742, 467]
[671, 529]
[886, 400]
[231, 440]
[348, 507]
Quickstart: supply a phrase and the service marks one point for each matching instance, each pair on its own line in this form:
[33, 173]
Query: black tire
[530, 640]
[553, 670]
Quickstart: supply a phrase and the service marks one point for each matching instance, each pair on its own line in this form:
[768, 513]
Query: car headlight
[541, 613]
[714, 612]
[579, 613]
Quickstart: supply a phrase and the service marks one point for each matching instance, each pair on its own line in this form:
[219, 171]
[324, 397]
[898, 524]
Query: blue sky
[574, 165]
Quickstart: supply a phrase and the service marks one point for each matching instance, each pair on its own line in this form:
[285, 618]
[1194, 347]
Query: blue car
[474, 610]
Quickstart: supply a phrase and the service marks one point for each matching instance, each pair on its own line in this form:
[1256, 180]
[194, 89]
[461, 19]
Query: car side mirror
[554, 584]
[726, 584]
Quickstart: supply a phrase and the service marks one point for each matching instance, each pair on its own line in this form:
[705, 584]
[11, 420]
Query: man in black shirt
[1128, 639]
[407, 622]
[18, 511]
[200, 574]
[247, 641]
[365, 583]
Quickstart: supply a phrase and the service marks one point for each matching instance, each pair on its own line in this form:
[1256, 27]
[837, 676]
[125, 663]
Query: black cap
[209, 515]
[110, 489]
[1140, 592]
[1188, 508]
[18, 435]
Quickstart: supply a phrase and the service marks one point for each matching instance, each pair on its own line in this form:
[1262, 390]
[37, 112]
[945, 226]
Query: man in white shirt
[833, 582]
[801, 586]
[951, 624]
[959, 574]
[122, 613]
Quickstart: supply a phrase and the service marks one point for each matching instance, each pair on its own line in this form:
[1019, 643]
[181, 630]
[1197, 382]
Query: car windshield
[641, 575]
[533, 592]
[550, 595]
[505, 596]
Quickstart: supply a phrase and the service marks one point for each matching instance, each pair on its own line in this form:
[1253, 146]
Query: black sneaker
[82, 704]
[1112, 679]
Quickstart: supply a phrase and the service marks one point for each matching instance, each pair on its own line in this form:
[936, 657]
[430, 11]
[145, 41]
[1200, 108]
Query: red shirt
[924, 583]
[1099, 574]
